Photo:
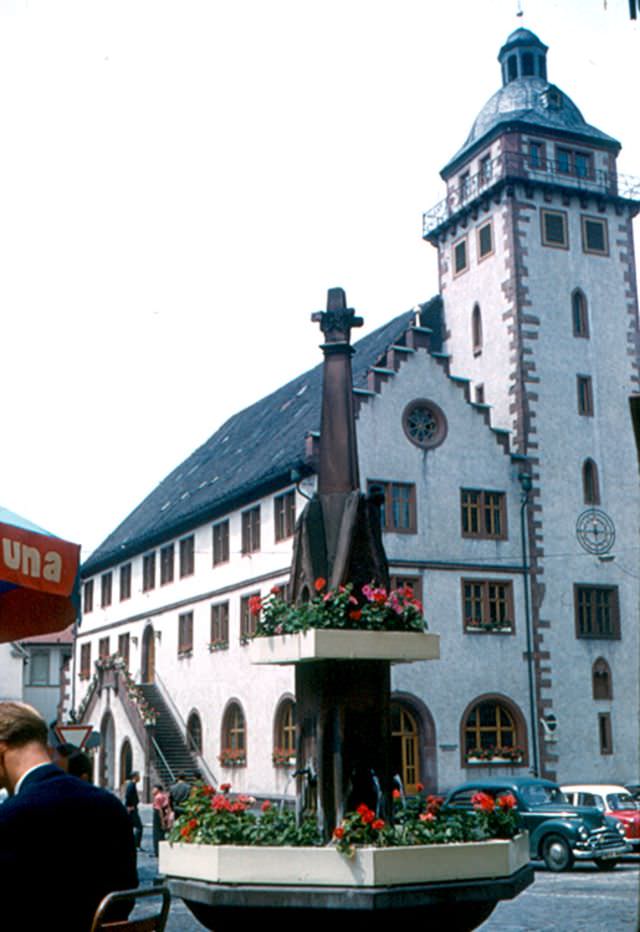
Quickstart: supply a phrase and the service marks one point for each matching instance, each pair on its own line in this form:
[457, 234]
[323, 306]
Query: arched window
[476, 330]
[284, 737]
[233, 746]
[194, 732]
[579, 314]
[493, 732]
[590, 483]
[601, 677]
[405, 746]
[126, 761]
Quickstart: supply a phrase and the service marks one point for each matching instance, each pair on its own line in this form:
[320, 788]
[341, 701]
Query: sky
[181, 181]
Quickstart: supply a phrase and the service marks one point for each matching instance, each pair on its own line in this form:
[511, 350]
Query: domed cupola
[523, 56]
[525, 102]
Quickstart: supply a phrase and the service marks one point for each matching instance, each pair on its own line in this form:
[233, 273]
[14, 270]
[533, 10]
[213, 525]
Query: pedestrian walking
[178, 794]
[132, 801]
[161, 815]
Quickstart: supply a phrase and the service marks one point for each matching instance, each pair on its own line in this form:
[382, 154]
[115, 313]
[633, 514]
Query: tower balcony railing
[515, 166]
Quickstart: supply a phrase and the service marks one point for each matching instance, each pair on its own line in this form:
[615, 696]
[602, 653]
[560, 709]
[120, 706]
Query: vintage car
[613, 800]
[559, 833]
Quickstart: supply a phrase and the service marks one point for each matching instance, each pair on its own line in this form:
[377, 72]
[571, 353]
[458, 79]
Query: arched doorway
[107, 762]
[126, 761]
[148, 667]
[413, 744]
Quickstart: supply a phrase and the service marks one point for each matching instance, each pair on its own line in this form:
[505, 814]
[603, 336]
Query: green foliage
[213, 817]
[373, 609]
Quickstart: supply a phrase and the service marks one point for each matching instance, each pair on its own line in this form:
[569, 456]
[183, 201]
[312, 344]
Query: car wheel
[556, 853]
[606, 864]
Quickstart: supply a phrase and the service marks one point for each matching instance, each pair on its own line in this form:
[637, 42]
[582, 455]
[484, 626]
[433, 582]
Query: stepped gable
[426, 338]
[252, 454]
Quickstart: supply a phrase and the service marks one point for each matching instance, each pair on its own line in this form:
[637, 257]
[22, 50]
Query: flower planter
[498, 761]
[369, 867]
[334, 644]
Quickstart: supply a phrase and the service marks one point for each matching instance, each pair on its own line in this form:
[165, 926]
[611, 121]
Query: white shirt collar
[16, 788]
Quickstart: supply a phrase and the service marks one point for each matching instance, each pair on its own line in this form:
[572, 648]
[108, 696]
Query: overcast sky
[181, 181]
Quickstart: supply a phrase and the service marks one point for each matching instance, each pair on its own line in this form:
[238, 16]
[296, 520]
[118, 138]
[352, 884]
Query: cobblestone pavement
[581, 900]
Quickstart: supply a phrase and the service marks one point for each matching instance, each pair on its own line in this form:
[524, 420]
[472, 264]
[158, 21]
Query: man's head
[135, 776]
[23, 741]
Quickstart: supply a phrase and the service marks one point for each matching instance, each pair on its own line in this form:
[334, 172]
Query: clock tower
[537, 274]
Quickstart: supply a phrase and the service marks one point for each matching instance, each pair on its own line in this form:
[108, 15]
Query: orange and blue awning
[38, 579]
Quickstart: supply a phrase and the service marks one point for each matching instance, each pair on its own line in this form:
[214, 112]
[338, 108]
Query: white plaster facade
[528, 363]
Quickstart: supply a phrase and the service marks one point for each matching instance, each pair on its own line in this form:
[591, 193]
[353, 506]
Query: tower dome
[526, 100]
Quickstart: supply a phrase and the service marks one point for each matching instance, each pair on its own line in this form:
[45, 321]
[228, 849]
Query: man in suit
[132, 801]
[64, 843]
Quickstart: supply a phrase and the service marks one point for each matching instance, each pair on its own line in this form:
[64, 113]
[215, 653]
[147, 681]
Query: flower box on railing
[283, 758]
[499, 757]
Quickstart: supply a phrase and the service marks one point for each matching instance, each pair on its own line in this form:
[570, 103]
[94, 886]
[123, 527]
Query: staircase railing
[165, 762]
[202, 763]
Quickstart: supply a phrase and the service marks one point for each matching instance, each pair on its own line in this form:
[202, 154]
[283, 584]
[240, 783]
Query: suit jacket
[64, 844]
[131, 798]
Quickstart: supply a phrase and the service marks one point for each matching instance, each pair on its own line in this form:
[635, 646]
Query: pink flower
[266, 805]
[427, 817]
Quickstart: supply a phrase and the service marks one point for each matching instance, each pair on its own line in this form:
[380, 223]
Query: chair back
[109, 905]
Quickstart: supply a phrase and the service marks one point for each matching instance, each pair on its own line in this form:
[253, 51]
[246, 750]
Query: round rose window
[424, 424]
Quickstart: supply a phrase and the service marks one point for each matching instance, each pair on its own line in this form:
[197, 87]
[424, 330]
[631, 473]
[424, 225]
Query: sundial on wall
[595, 531]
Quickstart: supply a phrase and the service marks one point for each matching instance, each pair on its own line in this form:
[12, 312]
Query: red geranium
[483, 801]
[255, 604]
[320, 583]
[508, 801]
[338, 832]
[378, 825]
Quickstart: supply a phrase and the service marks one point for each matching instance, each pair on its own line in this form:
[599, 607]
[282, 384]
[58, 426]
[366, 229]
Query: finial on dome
[523, 56]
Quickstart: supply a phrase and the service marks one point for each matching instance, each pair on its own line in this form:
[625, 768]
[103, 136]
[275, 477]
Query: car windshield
[538, 794]
[621, 801]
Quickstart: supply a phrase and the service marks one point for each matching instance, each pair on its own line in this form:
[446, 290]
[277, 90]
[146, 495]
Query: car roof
[601, 788]
[513, 782]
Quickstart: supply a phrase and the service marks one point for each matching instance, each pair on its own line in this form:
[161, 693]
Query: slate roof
[251, 455]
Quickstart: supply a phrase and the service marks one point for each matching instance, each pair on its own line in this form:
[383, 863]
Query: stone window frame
[284, 730]
[601, 680]
[106, 589]
[124, 642]
[585, 219]
[248, 620]
[580, 314]
[233, 734]
[586, 613]
[584, 389]
[479, 229]
[605, 733]
[149, 571]
[219, 634]
[438, 416]
[167, 564]
[104, 648]
[87, 597]
[220, 542]
[397, 495]
[480, 507]
[85, 660]
[459, 269]
[546, 212]
[590, 482]
[518, 727]
[185, 634]
[250, 522]
[487, 600]
[187, 555]
[284, 515]
[125, 582]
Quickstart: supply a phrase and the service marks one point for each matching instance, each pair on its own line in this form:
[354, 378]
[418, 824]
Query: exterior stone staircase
[175, 756]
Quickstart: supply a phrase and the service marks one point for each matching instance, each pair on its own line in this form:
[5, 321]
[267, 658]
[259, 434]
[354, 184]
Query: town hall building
[495, 418]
